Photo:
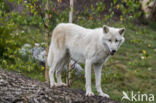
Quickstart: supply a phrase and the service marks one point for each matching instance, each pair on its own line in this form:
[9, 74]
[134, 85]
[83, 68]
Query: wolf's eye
[116, 40]
[110, 40]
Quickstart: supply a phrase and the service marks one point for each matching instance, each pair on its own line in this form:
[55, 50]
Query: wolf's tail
[50, 57]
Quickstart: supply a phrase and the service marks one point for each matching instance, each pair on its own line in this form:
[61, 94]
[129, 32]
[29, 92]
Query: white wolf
[89, 46]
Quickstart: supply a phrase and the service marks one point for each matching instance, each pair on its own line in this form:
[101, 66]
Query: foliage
[10, 44]
[123, 10]
[14, 33]
[20, 28]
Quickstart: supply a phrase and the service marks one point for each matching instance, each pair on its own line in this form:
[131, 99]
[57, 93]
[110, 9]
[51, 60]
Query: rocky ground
[16, 88]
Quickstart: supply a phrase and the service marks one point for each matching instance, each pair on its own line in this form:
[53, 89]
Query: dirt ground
[16, 88]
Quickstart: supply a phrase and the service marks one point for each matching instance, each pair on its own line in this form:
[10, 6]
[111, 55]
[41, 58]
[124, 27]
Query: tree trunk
[70, 21]
[47, 7]
[71, 11]
[153, 12]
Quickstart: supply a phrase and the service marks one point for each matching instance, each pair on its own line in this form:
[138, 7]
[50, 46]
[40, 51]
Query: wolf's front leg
[88, 78]
[97, 70]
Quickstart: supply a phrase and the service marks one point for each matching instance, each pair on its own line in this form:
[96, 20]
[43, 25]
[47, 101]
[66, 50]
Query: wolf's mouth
[112, 53]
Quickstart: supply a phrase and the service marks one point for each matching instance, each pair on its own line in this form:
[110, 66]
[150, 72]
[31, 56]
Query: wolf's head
[113, 38]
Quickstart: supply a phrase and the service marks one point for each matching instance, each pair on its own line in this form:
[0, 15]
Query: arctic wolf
[89, 46]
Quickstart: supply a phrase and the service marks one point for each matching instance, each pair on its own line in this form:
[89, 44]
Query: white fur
[89, 46]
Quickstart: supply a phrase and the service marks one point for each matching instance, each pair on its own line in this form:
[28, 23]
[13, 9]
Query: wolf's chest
[100, 58]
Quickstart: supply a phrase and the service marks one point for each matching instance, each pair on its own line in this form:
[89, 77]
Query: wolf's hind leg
[64, 61]
[51, 74]
[55, 66]
[58, 75]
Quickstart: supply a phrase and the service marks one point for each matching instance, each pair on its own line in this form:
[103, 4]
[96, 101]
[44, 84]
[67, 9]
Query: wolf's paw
[104, 95]
[53, 85]
[89, 94]
[60, 84]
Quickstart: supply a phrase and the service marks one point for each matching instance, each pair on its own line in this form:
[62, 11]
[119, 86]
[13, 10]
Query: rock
[38, 52]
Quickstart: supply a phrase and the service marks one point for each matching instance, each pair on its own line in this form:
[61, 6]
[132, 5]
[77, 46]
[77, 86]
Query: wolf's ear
[105, 29]
[121, 31]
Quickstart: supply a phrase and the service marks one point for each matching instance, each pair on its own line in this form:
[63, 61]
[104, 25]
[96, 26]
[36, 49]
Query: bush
[10, 45]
